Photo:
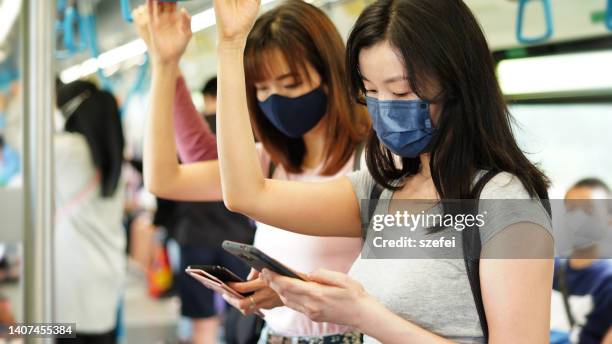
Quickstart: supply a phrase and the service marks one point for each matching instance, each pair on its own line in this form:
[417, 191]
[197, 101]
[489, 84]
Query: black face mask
[294, 117]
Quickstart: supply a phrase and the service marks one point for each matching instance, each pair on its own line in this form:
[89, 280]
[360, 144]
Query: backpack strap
[472, 247]
[358, 154]
[561, 276]
[375, 193]
[271, 169]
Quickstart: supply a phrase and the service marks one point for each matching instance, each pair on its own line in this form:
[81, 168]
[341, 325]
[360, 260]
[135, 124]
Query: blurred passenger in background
[200, 228]
[309, 128]
[90, 261]
[9, 163]
[6, 275]
[6, 313]
[10, 133]
[209, 93]
[584, 279]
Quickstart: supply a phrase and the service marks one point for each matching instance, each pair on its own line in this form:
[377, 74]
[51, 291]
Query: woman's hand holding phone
[326, 296]
[263, 297]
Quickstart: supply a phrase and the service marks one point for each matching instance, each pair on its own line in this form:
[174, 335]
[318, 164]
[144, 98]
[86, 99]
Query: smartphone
[222, 273]
[216, 278]
[259, 260]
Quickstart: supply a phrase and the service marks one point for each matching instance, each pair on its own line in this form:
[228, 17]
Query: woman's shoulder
[70, 146]
[507, 202]
[504, 185]
[362, 182]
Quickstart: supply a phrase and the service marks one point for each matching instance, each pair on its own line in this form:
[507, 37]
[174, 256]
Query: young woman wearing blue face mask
[304, 117]
[424, 69]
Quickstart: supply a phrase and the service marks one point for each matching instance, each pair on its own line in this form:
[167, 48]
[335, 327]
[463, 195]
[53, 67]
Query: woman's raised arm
[324, 209]
[167, 35]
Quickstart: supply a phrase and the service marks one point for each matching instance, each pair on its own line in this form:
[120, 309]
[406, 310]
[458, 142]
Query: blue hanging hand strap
[89, 25]
[59, 27]
[126, 10]
[11, 165]
[139, 84]
[520, 35]
[66, 28]
[72, 18]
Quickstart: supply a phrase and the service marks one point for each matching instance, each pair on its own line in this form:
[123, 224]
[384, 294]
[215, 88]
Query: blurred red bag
[6, 315]
[160, 273]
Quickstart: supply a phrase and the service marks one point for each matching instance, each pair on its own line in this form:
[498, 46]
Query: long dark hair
[442, 41]
[95, 115]
[304, 34]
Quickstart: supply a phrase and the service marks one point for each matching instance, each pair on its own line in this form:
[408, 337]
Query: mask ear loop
[323, 87]
[73, 104]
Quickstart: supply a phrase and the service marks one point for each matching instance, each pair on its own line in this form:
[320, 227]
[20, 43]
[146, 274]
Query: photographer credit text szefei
[417, 229]
[409, 221]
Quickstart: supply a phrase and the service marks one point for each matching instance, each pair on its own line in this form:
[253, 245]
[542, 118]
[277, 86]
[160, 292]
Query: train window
[570, 141]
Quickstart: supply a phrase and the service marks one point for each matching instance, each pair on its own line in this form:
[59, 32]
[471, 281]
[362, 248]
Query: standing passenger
[585, 279]
[308, 126]
[427, 75]
[90, 261]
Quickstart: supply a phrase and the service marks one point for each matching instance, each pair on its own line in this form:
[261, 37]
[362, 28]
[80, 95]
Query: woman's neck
[425, 170]
[314, 140]
[419, 186]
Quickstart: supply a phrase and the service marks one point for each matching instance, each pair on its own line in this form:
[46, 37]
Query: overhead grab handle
[65, 27]
[71, 20]
[126, 10]
[520, 35]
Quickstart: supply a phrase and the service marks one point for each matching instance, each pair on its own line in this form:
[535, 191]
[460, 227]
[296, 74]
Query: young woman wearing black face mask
[307, 124]
[428, 78]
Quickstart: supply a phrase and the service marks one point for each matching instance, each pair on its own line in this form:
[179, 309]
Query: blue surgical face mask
[294, 117]
[403, 126]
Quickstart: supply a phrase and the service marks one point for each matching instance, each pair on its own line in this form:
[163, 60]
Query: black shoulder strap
[271, 169]
[358, 154]
[472, 247]
[561, 276]
[377, 190]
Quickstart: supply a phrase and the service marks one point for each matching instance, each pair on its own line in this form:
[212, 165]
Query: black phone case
[213, 282]
[222, 273]
[257, 259]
